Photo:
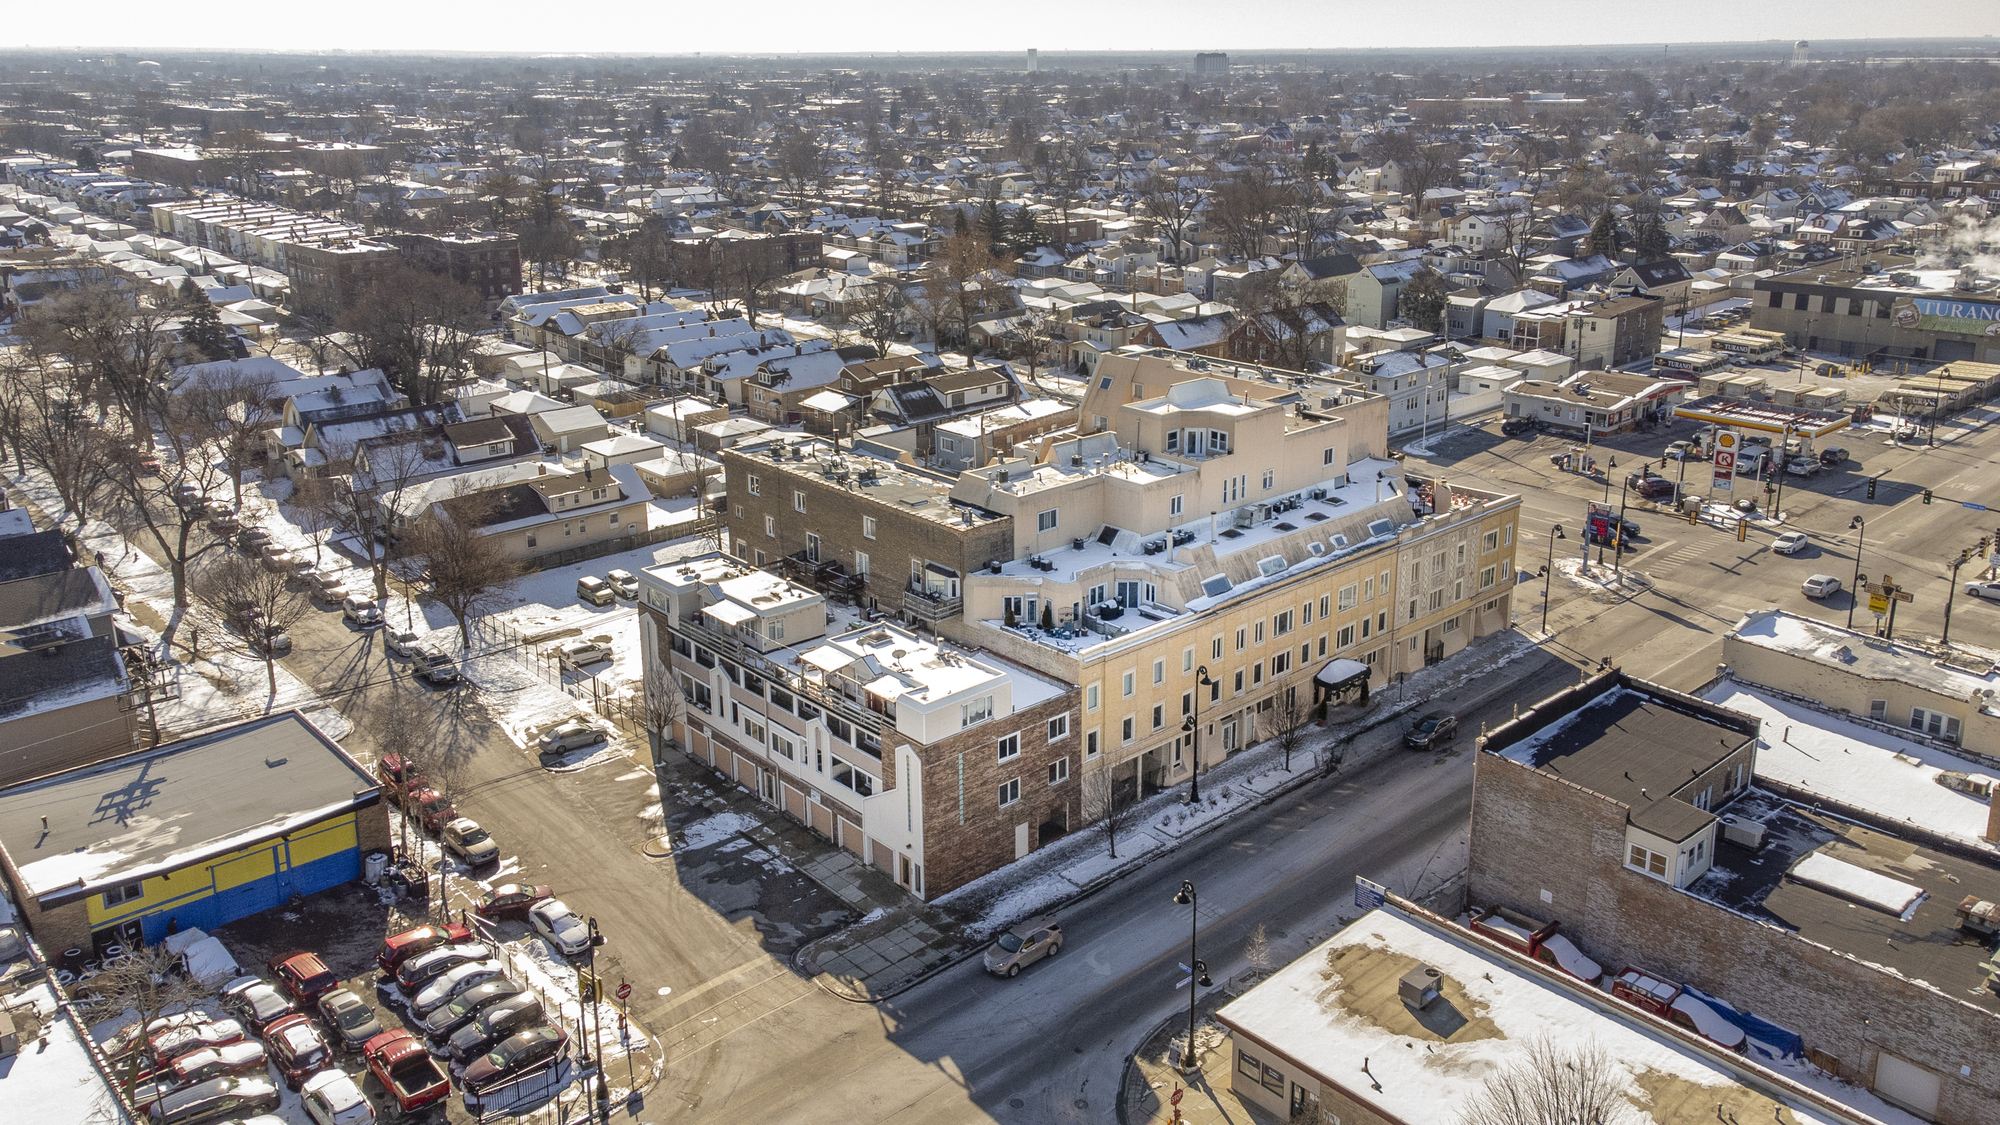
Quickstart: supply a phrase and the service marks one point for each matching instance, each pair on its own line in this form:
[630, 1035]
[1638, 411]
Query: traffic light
[1927, 495]
[1871, 488]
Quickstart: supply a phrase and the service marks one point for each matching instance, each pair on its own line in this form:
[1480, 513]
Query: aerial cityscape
[1368, 572]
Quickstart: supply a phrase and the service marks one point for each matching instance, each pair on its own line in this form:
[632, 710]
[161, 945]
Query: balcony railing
[931, 608]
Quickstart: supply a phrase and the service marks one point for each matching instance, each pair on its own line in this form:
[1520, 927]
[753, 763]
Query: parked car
[1649, 486]
[361, 610]
[348, 1019]
[513, 1056]
[1682, 451]
[578, 654]
[1791, 543]
[417, 942]
[1431, 730]
[298, 1048]
[402, 642]
[1833, 455]
[303, 975]
[469, 842]
[510, 901]
[596, 591]
[1802, 466]
[280, 561]
[567, 737]
[1513, 426]
[247, 1057]
[420, 971]
[400, 1063]
[1983, 589]
[252, 540]
[1820, 586]
[332, 1097]
[495, 1023]
[432, 808]
[214, 1100]
[562, 927]
[452, 982]
[397, 774]
[434, 666]
[178, 1038]
[1023, 945]
[255, 1002]
[330, 587]
[439, 1025]
[270, 641]
[623, 583]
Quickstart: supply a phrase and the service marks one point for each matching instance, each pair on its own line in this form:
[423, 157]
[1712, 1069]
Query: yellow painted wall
[316, 841]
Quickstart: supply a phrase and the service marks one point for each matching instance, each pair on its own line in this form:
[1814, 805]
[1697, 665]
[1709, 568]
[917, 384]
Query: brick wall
[955, 853]
[1534, 835]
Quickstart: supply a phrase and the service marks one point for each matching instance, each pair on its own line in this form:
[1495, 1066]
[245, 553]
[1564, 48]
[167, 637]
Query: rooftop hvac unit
[1743, 832]
[1260, 513]
[1420, 987]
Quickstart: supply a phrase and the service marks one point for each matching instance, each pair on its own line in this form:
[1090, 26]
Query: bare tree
[1553, 1083]
[149, 983]
[1289, 724]
[417, 327]
[1257, 949]
[1171, 200]
[468, 572]
[664, 702]
[316, 509]
[50, 432]
[1332, 754]
[1102, 810]
[261, 602]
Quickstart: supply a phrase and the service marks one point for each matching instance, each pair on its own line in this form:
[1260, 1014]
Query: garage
[1907, 1084]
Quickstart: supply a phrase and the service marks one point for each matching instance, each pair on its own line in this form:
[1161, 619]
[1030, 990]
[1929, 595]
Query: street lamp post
[1548, 573]
[1618, 537]
[1192, 725]
[1197, 972]
[1963, 558]
[1854, 593]
[596, 1039]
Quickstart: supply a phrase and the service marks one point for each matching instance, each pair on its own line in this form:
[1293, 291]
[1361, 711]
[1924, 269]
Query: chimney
[1993, 819]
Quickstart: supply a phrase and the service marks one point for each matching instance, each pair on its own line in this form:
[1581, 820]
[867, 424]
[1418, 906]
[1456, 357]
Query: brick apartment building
[1616, 332]
[725, 262]
[896, 528]
[326, 278]
[931, 763]
[1627, 812]
[488, 261]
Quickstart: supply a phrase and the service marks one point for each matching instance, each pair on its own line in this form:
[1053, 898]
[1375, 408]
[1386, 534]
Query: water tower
[1801, 53]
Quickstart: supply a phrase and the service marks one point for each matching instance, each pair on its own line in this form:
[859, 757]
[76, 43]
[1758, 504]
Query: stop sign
[624, 991]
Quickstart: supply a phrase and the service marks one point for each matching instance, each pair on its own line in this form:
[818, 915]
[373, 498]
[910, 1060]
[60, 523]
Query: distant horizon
[888, 28]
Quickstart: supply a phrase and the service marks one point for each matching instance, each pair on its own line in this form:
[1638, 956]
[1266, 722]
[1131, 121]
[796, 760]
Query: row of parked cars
[435, 812]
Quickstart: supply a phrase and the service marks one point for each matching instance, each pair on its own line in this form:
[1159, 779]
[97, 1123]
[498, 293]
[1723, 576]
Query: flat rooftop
[1338, 1009]
[141, 814]
[1634, 747]
[1926, 945]
[1862, 655]
[871, 477]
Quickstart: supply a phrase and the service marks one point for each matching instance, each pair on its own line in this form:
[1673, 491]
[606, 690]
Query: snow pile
[714, 830]
[1711, 1026]
[1858, 884]
[1601, 578]
[1571, 959]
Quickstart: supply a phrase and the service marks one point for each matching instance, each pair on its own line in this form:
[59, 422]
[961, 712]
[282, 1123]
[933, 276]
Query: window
[1651, 862]
[1350, 596]
[1215, 649]
[1878, 709]
[1104, 384]
[975, 712]
[1058, 771]
[1010, 792]
[1437, 599]
[1326, 456]
[1934, 723]
[868, 527]
[531, 539]
[1242, 639]
[1239, 681]
[1058, 728]
[783, 746]
[1130, 682]
[1010, 746]
[1159, 671]
[1159, 715]
[1187, 659]
[1344, 637]
[1364, 628]
[775, 629]
[770, 526]
[1280, 664]
[799, 501]
[753, 484]
[1270, 478]
[1383, 583]
[124, 893]
[1325, 605]
[1090, 745]
[1128, 728]
[1490, 541]
[1174, 506]
[1218, 441]
[1173, 441]
[1090, 698]
[1488, 577]
[1187, 703]
[1257, 632]
[1281, 623]
[861, 563]
[1046, 521]
[853, 778]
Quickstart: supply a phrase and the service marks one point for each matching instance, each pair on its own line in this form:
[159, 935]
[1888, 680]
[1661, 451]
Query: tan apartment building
[932, 763]
[1242, 526]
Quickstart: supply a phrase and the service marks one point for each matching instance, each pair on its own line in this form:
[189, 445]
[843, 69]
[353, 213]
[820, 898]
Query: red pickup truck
[400, 1062]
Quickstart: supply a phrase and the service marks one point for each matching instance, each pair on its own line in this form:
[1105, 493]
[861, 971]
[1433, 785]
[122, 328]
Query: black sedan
[349, 1018]
[439, 1025]
[1431, 730]
[513, 1057]
[507, 1018]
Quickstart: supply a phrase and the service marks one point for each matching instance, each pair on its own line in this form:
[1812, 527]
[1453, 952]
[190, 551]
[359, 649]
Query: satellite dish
[899, 654]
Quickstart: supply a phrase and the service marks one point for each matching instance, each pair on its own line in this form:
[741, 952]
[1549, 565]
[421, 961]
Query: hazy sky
[887, 26]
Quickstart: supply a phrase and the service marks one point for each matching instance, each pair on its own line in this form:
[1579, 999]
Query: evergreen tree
[993, 224]
[1603, 237]
[203, 331]
[1423, 301]
[1027, 234]
[1649, 238]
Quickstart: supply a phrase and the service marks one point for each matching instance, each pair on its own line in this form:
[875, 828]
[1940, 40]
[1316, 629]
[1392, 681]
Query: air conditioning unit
[1743, 832]
[1420, 987]
[1260, 513]
[1316, 494]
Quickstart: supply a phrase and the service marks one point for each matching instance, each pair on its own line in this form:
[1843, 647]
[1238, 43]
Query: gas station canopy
[1767, 417]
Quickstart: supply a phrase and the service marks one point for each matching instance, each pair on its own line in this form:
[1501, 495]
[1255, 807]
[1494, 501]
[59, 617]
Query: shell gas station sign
[1725, 461]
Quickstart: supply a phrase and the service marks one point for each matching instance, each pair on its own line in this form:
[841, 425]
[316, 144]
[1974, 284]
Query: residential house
[62, 676]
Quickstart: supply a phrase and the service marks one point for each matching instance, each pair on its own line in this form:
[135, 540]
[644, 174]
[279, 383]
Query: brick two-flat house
[931, 763]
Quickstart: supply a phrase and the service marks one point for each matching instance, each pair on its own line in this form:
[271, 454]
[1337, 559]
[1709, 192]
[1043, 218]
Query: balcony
[931, 608]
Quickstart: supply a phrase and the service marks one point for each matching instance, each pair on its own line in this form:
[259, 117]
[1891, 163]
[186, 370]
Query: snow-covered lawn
[1859, 766]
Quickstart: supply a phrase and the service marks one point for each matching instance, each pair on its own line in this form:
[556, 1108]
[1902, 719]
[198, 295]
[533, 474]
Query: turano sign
[1933, 314]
